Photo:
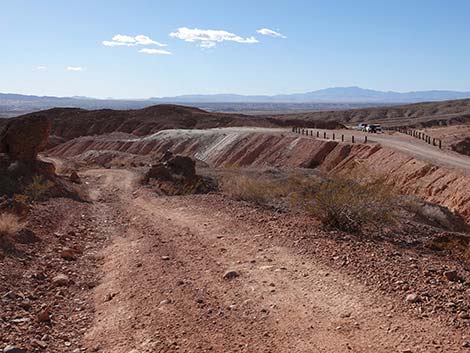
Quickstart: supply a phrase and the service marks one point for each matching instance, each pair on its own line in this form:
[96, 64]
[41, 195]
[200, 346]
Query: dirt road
[163, 286]
[410, 146]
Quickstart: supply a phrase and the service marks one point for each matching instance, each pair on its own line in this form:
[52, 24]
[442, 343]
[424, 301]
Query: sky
[144, 48]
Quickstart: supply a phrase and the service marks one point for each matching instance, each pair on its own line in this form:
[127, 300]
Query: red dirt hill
[69, 123]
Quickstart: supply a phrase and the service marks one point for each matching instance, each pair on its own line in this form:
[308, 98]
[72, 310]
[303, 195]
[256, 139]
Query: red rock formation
[240, 147]
[23, 139]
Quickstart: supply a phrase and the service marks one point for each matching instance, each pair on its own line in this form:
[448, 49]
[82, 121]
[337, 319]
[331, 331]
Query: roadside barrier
[326, 136]
[419, 135]
[413, 133]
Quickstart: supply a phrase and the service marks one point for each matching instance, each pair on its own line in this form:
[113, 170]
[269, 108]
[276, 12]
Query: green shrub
[37, 188]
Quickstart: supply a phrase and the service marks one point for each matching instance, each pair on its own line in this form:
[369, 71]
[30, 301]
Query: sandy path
[163, 287]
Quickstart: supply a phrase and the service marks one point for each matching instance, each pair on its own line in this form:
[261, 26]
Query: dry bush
[9, 226]
[20, 205]
[259, 191]
[349, 206]
[339, 203]
[268, 190]
[456, 244]
[37, 188]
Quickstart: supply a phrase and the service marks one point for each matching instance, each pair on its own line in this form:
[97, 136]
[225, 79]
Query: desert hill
[418, 115]
[68, 123]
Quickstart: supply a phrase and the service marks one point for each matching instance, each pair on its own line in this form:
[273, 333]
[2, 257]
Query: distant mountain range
[328, 95]
[330, 98]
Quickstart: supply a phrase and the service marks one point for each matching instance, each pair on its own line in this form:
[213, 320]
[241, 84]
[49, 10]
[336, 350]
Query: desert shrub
[259, 191]
[9, 226]
[37, 188]
[339, 203]
[456, 244]
[20, 205]
[269, 190]
[349, 206]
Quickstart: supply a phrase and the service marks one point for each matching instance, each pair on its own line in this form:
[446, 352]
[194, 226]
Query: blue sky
[55, 47]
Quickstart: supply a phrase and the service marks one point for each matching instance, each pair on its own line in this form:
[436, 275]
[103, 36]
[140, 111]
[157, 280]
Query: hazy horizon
[141, 49]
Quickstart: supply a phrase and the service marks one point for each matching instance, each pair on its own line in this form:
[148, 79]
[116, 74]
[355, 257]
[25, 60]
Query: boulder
[231, 274]
[181, 165]
[46, 169]
[75, 178]
[159, 172]
[13, 349]
[23, 139]
[452, 276]
[172, 168]
[61, 280]
[412, 298]
[68, 254]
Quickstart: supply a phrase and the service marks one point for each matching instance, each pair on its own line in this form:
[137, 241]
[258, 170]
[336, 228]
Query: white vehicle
[362, 126]
[374, 128]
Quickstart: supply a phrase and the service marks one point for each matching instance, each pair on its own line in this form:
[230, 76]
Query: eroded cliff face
[247, 147]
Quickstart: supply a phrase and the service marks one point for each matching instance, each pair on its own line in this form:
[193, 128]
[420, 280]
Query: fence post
[342, 138]
[440, 144]
[365, 139]
[352, 139]
[333, 136]
[311, 132]
[433, 141]
[318, 133]
[324, 135]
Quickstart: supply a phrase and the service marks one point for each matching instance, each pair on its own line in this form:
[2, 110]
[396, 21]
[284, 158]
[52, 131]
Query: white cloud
[120, 40]
[154, 51]
[74, 68]
[208, 38]
[270, 32]
[41, 68]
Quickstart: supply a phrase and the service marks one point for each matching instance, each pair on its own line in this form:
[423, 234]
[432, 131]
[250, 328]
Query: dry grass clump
[350, 206]
[37, 188]
[339, 203]
[456, 244]
[259, 191]
[9, 225]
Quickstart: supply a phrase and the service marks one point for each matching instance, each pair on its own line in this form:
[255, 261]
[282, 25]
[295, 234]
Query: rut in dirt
[164, 288]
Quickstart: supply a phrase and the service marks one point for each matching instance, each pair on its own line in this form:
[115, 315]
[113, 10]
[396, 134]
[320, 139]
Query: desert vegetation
[37, 188]
[10, 224]
[337, 202]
